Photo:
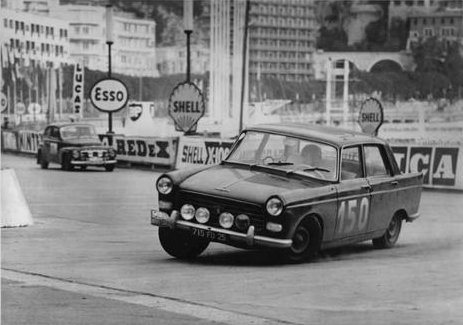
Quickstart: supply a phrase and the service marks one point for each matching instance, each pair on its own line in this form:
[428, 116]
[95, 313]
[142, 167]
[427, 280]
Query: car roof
[335, 136]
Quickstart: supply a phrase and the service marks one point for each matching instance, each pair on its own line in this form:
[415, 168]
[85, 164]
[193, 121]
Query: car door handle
[394, 183]
[366, 187]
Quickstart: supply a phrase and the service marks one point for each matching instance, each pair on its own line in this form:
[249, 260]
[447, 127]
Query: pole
[243, 68]
[110, 114]
[188, 55]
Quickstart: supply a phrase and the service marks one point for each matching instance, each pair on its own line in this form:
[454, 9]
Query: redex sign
[439, 165]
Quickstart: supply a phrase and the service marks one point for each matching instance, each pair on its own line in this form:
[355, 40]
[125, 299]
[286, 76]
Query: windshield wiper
[280, 163]
[316, 168]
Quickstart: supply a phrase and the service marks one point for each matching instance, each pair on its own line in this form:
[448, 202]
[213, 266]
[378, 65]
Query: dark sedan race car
[74, 144]
[293, 188]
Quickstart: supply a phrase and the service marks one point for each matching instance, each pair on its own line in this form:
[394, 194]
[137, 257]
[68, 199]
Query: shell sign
[186, 106]
[371, 116]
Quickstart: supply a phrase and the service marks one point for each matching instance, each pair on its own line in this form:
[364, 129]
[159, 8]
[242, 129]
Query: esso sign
[109, 95]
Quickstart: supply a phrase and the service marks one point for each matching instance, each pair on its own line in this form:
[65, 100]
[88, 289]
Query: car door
[353, 204]
[383, 186]
[46, 143]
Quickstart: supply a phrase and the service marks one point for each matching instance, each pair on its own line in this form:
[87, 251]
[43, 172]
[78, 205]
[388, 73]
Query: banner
[28, 141]
[78, 89]
[152, 150]
[442, 166]
[201, 151]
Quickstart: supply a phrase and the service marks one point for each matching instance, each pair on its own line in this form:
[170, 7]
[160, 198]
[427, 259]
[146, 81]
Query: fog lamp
[202, 215]
[75, 154]
[187, 211]
[226, 220]
[274, 227]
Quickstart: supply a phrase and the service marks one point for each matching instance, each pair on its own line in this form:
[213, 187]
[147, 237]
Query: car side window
[48, 132]
[351, 165]
[374, 162]
[55, 133]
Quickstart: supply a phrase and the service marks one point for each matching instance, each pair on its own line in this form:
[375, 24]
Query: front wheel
[109, 168]
[306, 241]
[180, 244]
[41, 160]
[391, 235]
[66, 163]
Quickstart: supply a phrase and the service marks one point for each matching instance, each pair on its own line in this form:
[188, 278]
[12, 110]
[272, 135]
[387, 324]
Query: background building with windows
[133, 51]
[172, 59]
[282, 37]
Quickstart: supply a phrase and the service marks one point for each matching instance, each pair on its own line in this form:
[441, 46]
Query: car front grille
[93, 153]
[217, 205]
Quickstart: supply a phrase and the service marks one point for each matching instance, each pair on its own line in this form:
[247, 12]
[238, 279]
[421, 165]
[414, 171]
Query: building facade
[33, 40]
[172, 59]
[282, 37]
[133, 51]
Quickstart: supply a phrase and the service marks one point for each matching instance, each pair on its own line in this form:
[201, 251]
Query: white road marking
[145, 299]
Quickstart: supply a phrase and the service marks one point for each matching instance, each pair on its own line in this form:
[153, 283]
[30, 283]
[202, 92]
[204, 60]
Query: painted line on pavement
[168, 304]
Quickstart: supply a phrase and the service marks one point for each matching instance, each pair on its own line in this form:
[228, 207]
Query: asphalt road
[93, 251]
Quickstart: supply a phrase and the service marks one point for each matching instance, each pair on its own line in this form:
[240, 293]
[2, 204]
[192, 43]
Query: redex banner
[201, 151]
[159, 151]
[442, 166]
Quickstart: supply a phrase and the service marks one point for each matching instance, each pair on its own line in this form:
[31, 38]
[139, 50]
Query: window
[351, 165]
[428, 32]
[5, 23]
[374, 162]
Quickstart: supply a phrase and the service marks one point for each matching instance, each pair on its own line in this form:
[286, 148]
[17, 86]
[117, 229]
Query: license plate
[209, 234]
[94, 159]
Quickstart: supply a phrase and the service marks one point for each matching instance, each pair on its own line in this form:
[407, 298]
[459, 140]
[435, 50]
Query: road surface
[92, 245]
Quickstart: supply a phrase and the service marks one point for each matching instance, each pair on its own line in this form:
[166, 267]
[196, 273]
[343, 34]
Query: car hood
[82, 142]
[241, 183]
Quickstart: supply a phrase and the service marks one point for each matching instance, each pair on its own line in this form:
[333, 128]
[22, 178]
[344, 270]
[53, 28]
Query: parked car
[293, 188]
[72, 145]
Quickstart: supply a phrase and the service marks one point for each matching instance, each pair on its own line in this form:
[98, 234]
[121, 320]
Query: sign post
[186, 106]
[371, 116]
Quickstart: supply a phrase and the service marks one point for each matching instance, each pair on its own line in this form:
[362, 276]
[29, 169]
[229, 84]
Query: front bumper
[162, 219]
[93, 163]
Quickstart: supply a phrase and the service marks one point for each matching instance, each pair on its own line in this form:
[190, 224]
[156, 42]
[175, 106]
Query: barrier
[14, 210]
[442, 166]
[9, 141]
[201, 151]
[28, 141]
[151, 150]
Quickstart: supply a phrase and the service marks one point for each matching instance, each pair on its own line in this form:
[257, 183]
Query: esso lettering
[109, 95]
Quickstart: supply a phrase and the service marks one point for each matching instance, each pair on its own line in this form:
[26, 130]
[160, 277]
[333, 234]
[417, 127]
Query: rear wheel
[41, 160]
[109, 168]
[391, 235]
[181, 244]
[306, 241]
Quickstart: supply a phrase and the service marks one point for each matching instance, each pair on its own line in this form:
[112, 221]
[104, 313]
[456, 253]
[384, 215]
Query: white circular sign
[371, 116]
[3, 102]
[34, 108]
[109, 95]
[186, 106]
[20, 108]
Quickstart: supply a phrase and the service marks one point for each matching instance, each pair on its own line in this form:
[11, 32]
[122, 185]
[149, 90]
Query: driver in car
[311, 155]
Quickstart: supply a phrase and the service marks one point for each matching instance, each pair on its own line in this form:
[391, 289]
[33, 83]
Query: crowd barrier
[442, 165]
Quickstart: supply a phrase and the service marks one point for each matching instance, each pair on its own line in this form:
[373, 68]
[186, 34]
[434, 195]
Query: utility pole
[243, 68]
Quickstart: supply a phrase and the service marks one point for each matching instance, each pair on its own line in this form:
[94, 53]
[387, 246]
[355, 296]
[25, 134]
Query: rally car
[74, 144]
[293, 188]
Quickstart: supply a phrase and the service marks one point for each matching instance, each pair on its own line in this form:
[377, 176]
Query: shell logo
[186, 106]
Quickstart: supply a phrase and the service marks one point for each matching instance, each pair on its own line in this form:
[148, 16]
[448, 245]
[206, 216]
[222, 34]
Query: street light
[109, 42]
[188, 25]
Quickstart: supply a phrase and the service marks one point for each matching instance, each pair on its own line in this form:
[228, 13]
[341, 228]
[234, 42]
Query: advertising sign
[371, 116]
[34, 108]
[3, 102]
[194, 152]
[78, 89]
[109, 95]
[186, 106]
[20, 108]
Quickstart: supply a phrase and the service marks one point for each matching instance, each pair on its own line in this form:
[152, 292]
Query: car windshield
[78, 131]
[301, 156]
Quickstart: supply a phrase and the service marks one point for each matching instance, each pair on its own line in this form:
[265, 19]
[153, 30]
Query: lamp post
[109, 42]
[188, 25]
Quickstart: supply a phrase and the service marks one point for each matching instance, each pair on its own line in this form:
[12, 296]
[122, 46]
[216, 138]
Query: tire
[307, 240]
[66, 163]
[40, 160]
[109, 168]
[391, 235]
[180, 244]
[83, 168]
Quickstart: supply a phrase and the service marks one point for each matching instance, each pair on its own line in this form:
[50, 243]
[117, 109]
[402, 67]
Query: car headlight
[187, 211]
[202, 215]
[164, 185]
[274, 206]
[226, 220]
[75, 154]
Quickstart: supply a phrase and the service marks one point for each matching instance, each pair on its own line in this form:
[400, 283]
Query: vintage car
[74, 144]
[293, 188]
